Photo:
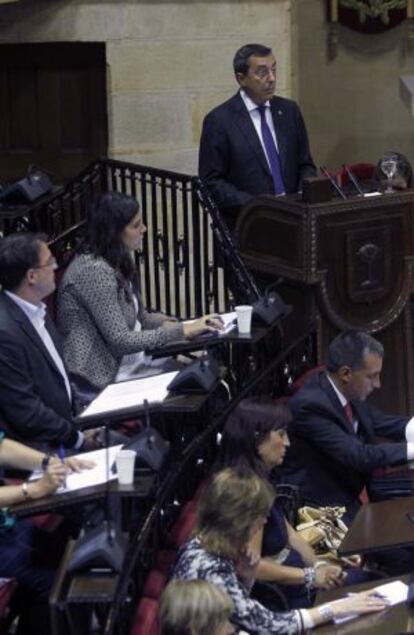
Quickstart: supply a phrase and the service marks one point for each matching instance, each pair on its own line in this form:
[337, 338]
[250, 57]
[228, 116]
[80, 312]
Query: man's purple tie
[271, 151]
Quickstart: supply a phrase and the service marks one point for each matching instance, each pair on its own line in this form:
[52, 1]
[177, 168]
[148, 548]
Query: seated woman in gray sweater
[107, 332]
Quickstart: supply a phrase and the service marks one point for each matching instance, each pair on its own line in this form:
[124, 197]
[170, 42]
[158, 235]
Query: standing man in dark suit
[35, 394]
[333, 450]
[254, 143]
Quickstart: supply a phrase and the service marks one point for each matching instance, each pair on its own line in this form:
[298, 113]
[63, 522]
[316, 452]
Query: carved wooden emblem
[368, 264]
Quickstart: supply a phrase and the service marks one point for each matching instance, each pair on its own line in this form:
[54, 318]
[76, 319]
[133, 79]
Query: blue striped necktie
[271, 151]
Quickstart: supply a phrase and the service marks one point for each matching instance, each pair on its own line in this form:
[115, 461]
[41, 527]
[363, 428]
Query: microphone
[104, 546]
[335, 185]
[270, 305]
[353, 180]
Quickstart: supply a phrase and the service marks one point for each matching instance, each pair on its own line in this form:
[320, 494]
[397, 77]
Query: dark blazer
[326, 458]
[232, 162]
[34, 405]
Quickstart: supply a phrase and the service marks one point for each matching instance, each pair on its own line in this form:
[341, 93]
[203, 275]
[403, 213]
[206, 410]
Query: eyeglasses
[263, 72]
[50, 263]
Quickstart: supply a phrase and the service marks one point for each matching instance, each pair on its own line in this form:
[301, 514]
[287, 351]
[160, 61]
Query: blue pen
[61, 455]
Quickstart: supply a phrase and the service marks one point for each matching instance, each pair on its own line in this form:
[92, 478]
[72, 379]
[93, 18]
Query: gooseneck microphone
[334, 184]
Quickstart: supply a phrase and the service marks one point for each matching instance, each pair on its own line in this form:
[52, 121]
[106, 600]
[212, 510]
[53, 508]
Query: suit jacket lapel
[335, 403]
[244, 122]
[31, 332]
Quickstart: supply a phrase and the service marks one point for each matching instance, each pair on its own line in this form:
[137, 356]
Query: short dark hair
[106, 220]
[349, 349]
[241, 58]
[18, 254]
[249, 424]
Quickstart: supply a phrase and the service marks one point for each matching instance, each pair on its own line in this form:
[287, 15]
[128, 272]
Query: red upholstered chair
[146, 618]
[302, 379]
[362, 171]
[164, 560]
[184, 525]
[154, 584]
[7, 590]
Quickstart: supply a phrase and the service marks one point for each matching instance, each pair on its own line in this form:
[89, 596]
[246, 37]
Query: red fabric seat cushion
[154, 584]
[182, 529]
[146, 618]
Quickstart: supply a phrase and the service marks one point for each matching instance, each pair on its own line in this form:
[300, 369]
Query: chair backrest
[146, 618]
[362, 171]
[304, 377]
[184, 525]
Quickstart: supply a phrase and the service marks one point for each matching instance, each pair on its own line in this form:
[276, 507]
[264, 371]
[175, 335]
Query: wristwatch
[25, 491]
[326, 612]
[45, 462]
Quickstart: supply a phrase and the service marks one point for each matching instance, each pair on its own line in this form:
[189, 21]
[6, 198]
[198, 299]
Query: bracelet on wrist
[45, 462]
[326, 612]
[310, 577]
[320, 563]
[25, 491]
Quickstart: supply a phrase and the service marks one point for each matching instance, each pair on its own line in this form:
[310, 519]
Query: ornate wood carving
[354, 259]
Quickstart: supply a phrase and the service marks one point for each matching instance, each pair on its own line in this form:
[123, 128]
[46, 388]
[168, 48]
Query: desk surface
[395, 620]
[186, 346]
[380, 525]
[140, 489]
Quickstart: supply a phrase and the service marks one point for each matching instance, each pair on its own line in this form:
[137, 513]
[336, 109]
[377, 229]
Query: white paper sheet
[88, 478]
[130, 393]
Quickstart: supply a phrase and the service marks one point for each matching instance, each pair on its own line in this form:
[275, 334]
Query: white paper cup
[125, 463]
[244, 318]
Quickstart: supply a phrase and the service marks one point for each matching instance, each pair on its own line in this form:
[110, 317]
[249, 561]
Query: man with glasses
[35, 393]
[254, 143]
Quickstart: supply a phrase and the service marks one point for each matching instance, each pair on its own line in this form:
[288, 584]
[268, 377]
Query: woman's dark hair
[247, 426]
[106, 220]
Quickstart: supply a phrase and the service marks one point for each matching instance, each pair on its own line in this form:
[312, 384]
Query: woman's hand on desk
[78, 465]
[206, 324]
[328, 576]
[53, 478]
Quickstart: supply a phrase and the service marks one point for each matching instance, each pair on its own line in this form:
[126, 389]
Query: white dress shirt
[254, 113]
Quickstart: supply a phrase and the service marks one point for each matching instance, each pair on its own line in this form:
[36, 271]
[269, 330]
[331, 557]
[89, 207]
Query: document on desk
[395, 592]
[97, 475]
[126, 394]
[229, 323]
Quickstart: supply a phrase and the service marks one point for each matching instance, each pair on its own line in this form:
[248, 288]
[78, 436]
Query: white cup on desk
[244, 318]
[125, 464]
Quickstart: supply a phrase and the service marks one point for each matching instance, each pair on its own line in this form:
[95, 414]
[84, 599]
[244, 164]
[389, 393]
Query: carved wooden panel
[355, 262]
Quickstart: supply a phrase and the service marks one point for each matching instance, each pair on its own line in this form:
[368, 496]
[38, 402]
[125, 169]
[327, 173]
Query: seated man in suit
[333, 449]
[35, 394]
[254, 143]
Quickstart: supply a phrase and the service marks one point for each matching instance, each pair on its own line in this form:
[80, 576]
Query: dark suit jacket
[34, 405]
[232, 162]
[326, 458]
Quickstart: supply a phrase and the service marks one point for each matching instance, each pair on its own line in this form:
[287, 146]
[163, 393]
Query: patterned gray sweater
[194, 562]
[96, 317]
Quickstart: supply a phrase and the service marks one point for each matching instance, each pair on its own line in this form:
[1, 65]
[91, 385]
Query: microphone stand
[104, 546]
[265, 306]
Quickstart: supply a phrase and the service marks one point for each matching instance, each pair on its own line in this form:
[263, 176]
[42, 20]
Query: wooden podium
[347, 263]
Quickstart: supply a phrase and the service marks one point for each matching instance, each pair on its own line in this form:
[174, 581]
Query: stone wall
[169, 62]
[352, 103]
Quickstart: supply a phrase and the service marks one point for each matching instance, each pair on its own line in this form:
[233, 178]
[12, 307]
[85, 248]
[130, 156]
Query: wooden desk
[141, 489]
[395, 620]
[382, 525]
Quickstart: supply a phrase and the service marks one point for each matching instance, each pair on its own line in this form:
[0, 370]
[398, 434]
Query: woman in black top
[256, 436]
